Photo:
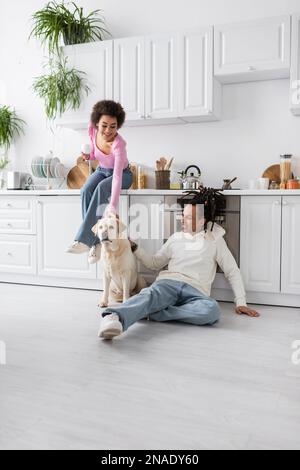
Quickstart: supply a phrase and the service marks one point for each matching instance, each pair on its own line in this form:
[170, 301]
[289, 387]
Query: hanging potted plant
[11, 126]
[61, 89]
[57, 25]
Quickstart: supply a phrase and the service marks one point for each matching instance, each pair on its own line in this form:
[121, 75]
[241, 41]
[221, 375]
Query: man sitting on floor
[181, 292]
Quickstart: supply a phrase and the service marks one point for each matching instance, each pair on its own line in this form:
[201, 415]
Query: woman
[101, 192]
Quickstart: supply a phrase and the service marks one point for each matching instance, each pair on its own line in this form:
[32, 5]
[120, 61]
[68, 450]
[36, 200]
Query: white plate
[53, 164]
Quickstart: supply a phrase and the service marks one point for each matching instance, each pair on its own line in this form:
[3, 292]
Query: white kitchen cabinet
[199, 92]
[254, 50]
[269, 244]
[129, 76]
[161, 76]
[290, 269]
[295, 66]
[96, 60]
[261, 243]
[59, 219]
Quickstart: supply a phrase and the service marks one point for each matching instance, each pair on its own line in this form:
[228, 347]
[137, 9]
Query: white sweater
[193, 259]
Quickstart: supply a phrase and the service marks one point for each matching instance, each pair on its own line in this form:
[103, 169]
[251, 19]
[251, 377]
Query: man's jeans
[167, 300]
[95, 195]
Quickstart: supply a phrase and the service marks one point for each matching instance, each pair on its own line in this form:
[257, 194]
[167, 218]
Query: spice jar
[285, 169]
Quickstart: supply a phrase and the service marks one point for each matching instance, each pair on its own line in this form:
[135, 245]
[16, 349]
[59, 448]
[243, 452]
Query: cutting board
[78, 175]
[273, 173]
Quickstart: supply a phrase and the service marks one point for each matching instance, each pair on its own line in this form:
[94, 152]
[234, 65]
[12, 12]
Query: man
[181, 292]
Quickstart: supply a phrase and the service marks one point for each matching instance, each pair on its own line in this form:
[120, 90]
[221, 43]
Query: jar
[274, 185]
[293, 184]
[285, 168]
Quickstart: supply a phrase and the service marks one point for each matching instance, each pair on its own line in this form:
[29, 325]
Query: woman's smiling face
[108, 127]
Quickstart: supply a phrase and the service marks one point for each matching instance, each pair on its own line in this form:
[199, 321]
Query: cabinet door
[197, 91]
[96, 60]
[290, 276]
[254, 50]
[261, 243]
[295, 67]
[129, 76]
[162, 69]
[146, 225]
[59, 219]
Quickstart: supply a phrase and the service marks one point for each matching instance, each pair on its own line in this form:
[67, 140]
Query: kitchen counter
[151, 192]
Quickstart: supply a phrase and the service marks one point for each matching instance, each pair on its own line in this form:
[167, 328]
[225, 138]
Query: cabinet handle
[8, 205]
[285, 203]
[277, 203]
[9, 254]
[251, 68]
[9, 225]
[142, 116]
[148, 116]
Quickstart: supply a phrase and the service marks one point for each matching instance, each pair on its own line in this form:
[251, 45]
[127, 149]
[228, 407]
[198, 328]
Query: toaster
[18, 180]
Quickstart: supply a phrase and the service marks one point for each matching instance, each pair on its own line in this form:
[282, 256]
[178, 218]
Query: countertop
[151, 192]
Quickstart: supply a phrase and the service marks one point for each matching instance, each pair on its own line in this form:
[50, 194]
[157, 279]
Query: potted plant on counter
[11, 126]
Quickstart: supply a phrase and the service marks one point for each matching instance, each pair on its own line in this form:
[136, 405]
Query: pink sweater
[116, 160]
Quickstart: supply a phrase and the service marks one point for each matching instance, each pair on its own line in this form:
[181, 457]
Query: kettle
[191, 181]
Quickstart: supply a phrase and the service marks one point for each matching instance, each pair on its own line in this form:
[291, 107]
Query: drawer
[18, 254]
[21, 226]
[18, 215]
[16, 204]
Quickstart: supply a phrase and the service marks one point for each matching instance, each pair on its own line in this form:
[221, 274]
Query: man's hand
[246, 311]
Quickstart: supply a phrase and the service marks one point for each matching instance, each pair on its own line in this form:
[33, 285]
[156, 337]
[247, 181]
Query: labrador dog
[121, 279]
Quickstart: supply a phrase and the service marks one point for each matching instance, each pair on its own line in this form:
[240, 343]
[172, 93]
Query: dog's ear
[95, 228]
[121, 226]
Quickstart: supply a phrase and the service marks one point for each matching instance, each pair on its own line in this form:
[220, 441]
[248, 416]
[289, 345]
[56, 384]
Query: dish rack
[49, 168]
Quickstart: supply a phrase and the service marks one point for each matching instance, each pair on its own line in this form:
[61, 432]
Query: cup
[263, 183]
[253, 184]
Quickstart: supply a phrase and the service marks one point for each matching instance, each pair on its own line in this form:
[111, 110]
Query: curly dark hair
[213, 200]
[108, 108]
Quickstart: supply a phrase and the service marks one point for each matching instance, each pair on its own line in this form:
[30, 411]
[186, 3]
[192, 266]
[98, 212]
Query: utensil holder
[162, 179]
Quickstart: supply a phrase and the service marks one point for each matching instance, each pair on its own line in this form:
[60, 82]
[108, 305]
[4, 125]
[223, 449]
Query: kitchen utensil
[273, 173]
[227, 183]
[164, 161]
[191, 181]
[78, 175]
[169, 163]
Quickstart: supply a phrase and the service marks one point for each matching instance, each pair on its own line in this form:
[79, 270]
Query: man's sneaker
[110, 326]
[77, 248]
[94, 254]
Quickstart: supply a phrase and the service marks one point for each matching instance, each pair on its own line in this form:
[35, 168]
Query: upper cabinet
[200, 93]
[295, 66]
[129, 76]
[167, 78]
[256, 50]
[96, 60]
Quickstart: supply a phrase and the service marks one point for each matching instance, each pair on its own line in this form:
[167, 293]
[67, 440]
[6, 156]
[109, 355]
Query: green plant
[61, 89]
[55, 22]
[3, 163]
[11, 126]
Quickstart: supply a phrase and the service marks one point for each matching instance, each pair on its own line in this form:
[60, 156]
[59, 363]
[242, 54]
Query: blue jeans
[167, 300]
[95, 195]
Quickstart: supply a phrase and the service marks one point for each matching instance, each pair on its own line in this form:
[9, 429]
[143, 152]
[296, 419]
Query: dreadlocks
[213, 201]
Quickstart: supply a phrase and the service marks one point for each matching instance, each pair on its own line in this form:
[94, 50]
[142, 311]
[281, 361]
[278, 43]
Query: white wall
[256, 127]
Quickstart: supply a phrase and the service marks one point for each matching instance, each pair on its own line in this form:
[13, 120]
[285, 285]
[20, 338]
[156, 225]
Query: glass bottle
[285, 169]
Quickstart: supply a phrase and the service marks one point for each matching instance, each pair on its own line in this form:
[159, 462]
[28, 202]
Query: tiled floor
[159, 386]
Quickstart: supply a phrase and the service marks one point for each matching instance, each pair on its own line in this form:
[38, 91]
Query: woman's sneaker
[94, 254]
[110, 326]
[77, 248]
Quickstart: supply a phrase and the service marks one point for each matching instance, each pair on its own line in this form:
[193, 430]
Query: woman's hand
[85, 156]
[242, 310]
